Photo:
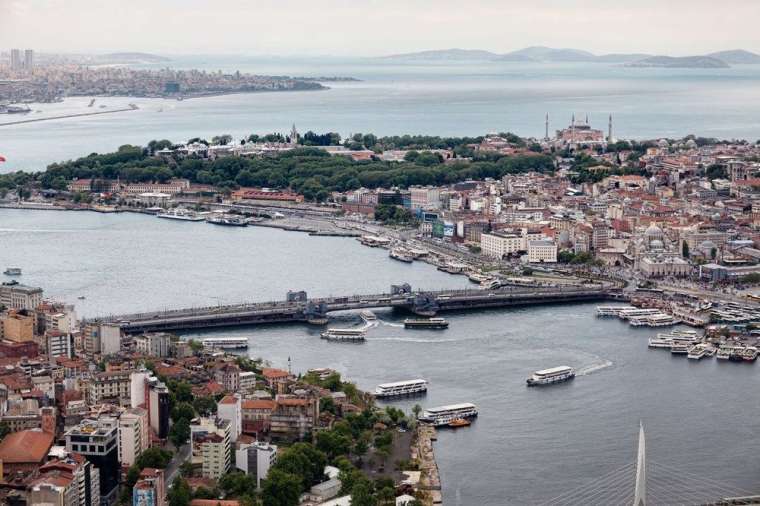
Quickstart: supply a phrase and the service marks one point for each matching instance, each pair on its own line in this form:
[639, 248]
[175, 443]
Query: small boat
[429, 323]
[459, 422]
[12, 271]
[81, 297]
[551, 376]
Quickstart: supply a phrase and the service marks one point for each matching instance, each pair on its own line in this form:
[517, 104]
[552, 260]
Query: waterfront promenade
[298, 308]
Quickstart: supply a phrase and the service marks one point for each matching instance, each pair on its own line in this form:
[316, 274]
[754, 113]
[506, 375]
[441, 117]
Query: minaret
[294, 135]
[572, 130]
[609, 133]
[290, 371]
[546, 137]
[587, 119]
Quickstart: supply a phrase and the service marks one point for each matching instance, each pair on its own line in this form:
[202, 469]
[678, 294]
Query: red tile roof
[25, 446]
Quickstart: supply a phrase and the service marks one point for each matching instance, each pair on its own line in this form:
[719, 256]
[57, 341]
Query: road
[180, 457]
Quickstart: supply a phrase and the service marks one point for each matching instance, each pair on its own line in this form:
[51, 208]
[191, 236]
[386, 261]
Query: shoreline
[65, 116]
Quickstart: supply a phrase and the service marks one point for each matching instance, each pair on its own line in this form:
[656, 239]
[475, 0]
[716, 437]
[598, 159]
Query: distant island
[542, 54]
[671, 62]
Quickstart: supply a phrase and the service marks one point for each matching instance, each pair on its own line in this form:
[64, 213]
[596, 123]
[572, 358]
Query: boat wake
[389, 324]
[589, 369]
[413, 340]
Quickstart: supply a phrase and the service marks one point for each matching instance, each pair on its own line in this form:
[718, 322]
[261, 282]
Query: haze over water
[527, 446]
[408, 98]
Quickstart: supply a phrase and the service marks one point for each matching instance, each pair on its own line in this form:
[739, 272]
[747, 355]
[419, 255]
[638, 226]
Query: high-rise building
[16, 63]
[134, 435]
[158, 407]
[28, 59]
[255, 459]
[212, 446]
[229, 409]
[97, 441]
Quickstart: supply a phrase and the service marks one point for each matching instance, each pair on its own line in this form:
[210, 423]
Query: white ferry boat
[398, 388]
[12, 271]
[180, 214]
[401, 255]
[660, 342]
[679, 349]
[355, 335]
[653, 320]
[611, 310]
[368, 316]
[226, 343]
[551, 376]
[443, 415]
[636, 312]
[696, 352]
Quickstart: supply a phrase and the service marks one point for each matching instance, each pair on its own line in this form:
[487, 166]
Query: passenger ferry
[401, 255]
[679, 349]
[354, 335]
[180, 214]
[430, 323]
[228, 221]
[551, 376]
[12, 271]
[443, 415]
[368, 316]
[727, 350]
[611, 310]
[696, 352]
[409, 387]
[226, 343]
[660, 342]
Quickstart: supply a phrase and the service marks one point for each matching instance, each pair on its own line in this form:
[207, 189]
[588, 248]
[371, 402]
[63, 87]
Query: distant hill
[672, 62]
[736, 56]
[542, 54]
[548, 54]
[621, 57]
[445, 55]
[132, 58]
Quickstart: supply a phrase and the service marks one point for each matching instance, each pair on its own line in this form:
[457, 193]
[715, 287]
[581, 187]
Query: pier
[299, 308]
[64, 116]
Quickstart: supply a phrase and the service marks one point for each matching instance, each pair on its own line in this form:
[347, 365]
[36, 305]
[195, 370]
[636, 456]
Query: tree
[361, 494]
[236, 484]
[417, 409]
[180, 432]
[333, 444]
[180, 493]
[182, 392]
[685, 249]
[204, 405]
[713, 253]
[183, 410]
[155, 458]
[280, 488]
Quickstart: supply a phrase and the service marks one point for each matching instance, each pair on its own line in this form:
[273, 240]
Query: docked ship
[443, 415]
[660, 342]
[12, 271]
[696, 352]
[611, 310]
[551, 376]
[228, 221]
[398, 388]
[679, 348]
[353, 335]
[401, 255]
[180, 214]
[226, 343]
[429, 323]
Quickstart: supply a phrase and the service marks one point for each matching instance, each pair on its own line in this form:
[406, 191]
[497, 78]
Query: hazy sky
[377, 27]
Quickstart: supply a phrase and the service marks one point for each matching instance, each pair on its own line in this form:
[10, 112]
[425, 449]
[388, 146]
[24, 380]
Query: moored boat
[459, 422]
[696, 352]
[551, 376]
[443, 415]
[401, 255]
[12, 271]
[660, 342]
[228, 221]
[180, 214]
[679, 349]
